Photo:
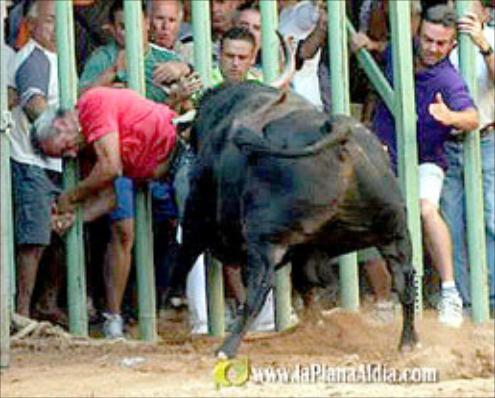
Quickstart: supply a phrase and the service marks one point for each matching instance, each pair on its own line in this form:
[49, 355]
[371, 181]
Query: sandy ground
[182, 365]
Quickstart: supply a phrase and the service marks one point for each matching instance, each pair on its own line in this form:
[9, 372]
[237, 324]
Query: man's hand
[64, 203]
[440, 111]
[464, 120]
[168, 72]
[61, 222]
[471, 25]
[185, 87]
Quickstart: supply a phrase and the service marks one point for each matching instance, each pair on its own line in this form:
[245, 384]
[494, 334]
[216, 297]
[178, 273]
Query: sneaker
[113, 327]
[450, 310]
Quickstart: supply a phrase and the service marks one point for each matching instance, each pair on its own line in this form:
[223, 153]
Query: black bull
[274, 179]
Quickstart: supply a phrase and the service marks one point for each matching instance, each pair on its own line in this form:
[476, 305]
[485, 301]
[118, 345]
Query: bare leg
[118, 263]
[438, 242]
[28, 259]
[54, 276]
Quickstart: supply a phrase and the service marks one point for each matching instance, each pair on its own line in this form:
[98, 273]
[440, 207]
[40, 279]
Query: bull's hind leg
[262, 258]
[398, 255]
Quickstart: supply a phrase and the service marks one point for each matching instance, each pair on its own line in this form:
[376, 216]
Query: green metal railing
[6, 238]
[67, 81]
[203, 64]
[271, 62]
[473, 186]
[339, 80]
[405, 126]
[143, 250]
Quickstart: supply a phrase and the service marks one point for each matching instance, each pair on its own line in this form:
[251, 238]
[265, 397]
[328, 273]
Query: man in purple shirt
[443, 106]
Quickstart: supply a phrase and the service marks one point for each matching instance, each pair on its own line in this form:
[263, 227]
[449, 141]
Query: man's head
[437, 34]
[41, 23]
[249, 17]
[237, 54]
[221, 15]
[56, 133]
[165, 19]
[116, 17]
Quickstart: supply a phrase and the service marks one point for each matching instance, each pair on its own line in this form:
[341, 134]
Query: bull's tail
[251, 142]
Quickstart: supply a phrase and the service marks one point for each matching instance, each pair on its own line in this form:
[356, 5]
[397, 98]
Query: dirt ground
[182, 365]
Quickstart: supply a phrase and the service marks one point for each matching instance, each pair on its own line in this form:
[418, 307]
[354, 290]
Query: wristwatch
[487, 52]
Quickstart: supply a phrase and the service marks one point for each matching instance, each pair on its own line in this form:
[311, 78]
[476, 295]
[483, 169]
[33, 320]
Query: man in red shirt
[124, 134]
[128, 134]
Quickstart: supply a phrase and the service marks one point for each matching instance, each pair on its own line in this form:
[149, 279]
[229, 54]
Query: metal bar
[374, 73]
[339, 78]
[203, 63]
[270, 58]
[202, 40]
[473, 186]
[67, 81]
[216, 299]
[145, 274]
[405, 123]
[6, 238]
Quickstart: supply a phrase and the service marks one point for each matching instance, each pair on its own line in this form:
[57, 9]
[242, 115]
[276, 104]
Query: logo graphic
[233, 372]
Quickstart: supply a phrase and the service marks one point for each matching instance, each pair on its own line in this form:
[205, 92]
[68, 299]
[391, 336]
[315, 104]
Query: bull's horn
[289, 65]
[187, 117]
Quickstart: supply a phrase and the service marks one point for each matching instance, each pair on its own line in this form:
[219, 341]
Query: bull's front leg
[403, 276]
[261, 261]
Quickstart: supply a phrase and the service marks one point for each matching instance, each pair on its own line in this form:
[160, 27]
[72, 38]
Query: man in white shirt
[36, 179]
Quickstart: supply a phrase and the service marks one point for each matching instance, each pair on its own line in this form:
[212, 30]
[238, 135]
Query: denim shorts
[34, 189]
[163, 201]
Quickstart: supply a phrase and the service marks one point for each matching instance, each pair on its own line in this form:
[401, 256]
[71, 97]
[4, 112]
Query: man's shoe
[113, 327]
[450, 310]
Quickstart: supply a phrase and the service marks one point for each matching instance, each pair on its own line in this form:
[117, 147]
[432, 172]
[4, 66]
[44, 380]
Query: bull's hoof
[221, 355]
[229, 347]
[411, 347]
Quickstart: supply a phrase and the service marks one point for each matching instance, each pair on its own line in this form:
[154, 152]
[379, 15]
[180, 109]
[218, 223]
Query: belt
[484, 132]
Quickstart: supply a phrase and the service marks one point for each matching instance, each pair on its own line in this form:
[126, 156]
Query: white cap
[299, 20]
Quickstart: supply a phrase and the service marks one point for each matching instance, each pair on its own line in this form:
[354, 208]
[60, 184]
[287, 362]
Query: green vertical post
[67, 82]
[145, 274]
[473, 183]
[270, 58]
[405, 123]
[6, 237]
[203, 63]
[339, 78]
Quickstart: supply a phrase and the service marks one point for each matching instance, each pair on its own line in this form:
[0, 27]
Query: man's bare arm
[108, 166]
[35, 107]
[465, 120]
[310, 46]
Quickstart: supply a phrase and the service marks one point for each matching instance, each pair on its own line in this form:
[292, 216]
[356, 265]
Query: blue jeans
[453, 206]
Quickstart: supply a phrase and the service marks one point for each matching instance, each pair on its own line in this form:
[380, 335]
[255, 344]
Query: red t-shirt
[145, 128]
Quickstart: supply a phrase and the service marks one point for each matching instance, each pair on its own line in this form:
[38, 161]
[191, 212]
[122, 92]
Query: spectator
[297, 22]
[249, 17]
[222, 13]
[443, 103]
[237, 54]
[105, 67]
[36, 180]
[453, 195]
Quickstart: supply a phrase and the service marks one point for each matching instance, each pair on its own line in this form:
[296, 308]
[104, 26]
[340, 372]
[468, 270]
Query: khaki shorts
[431, 179]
